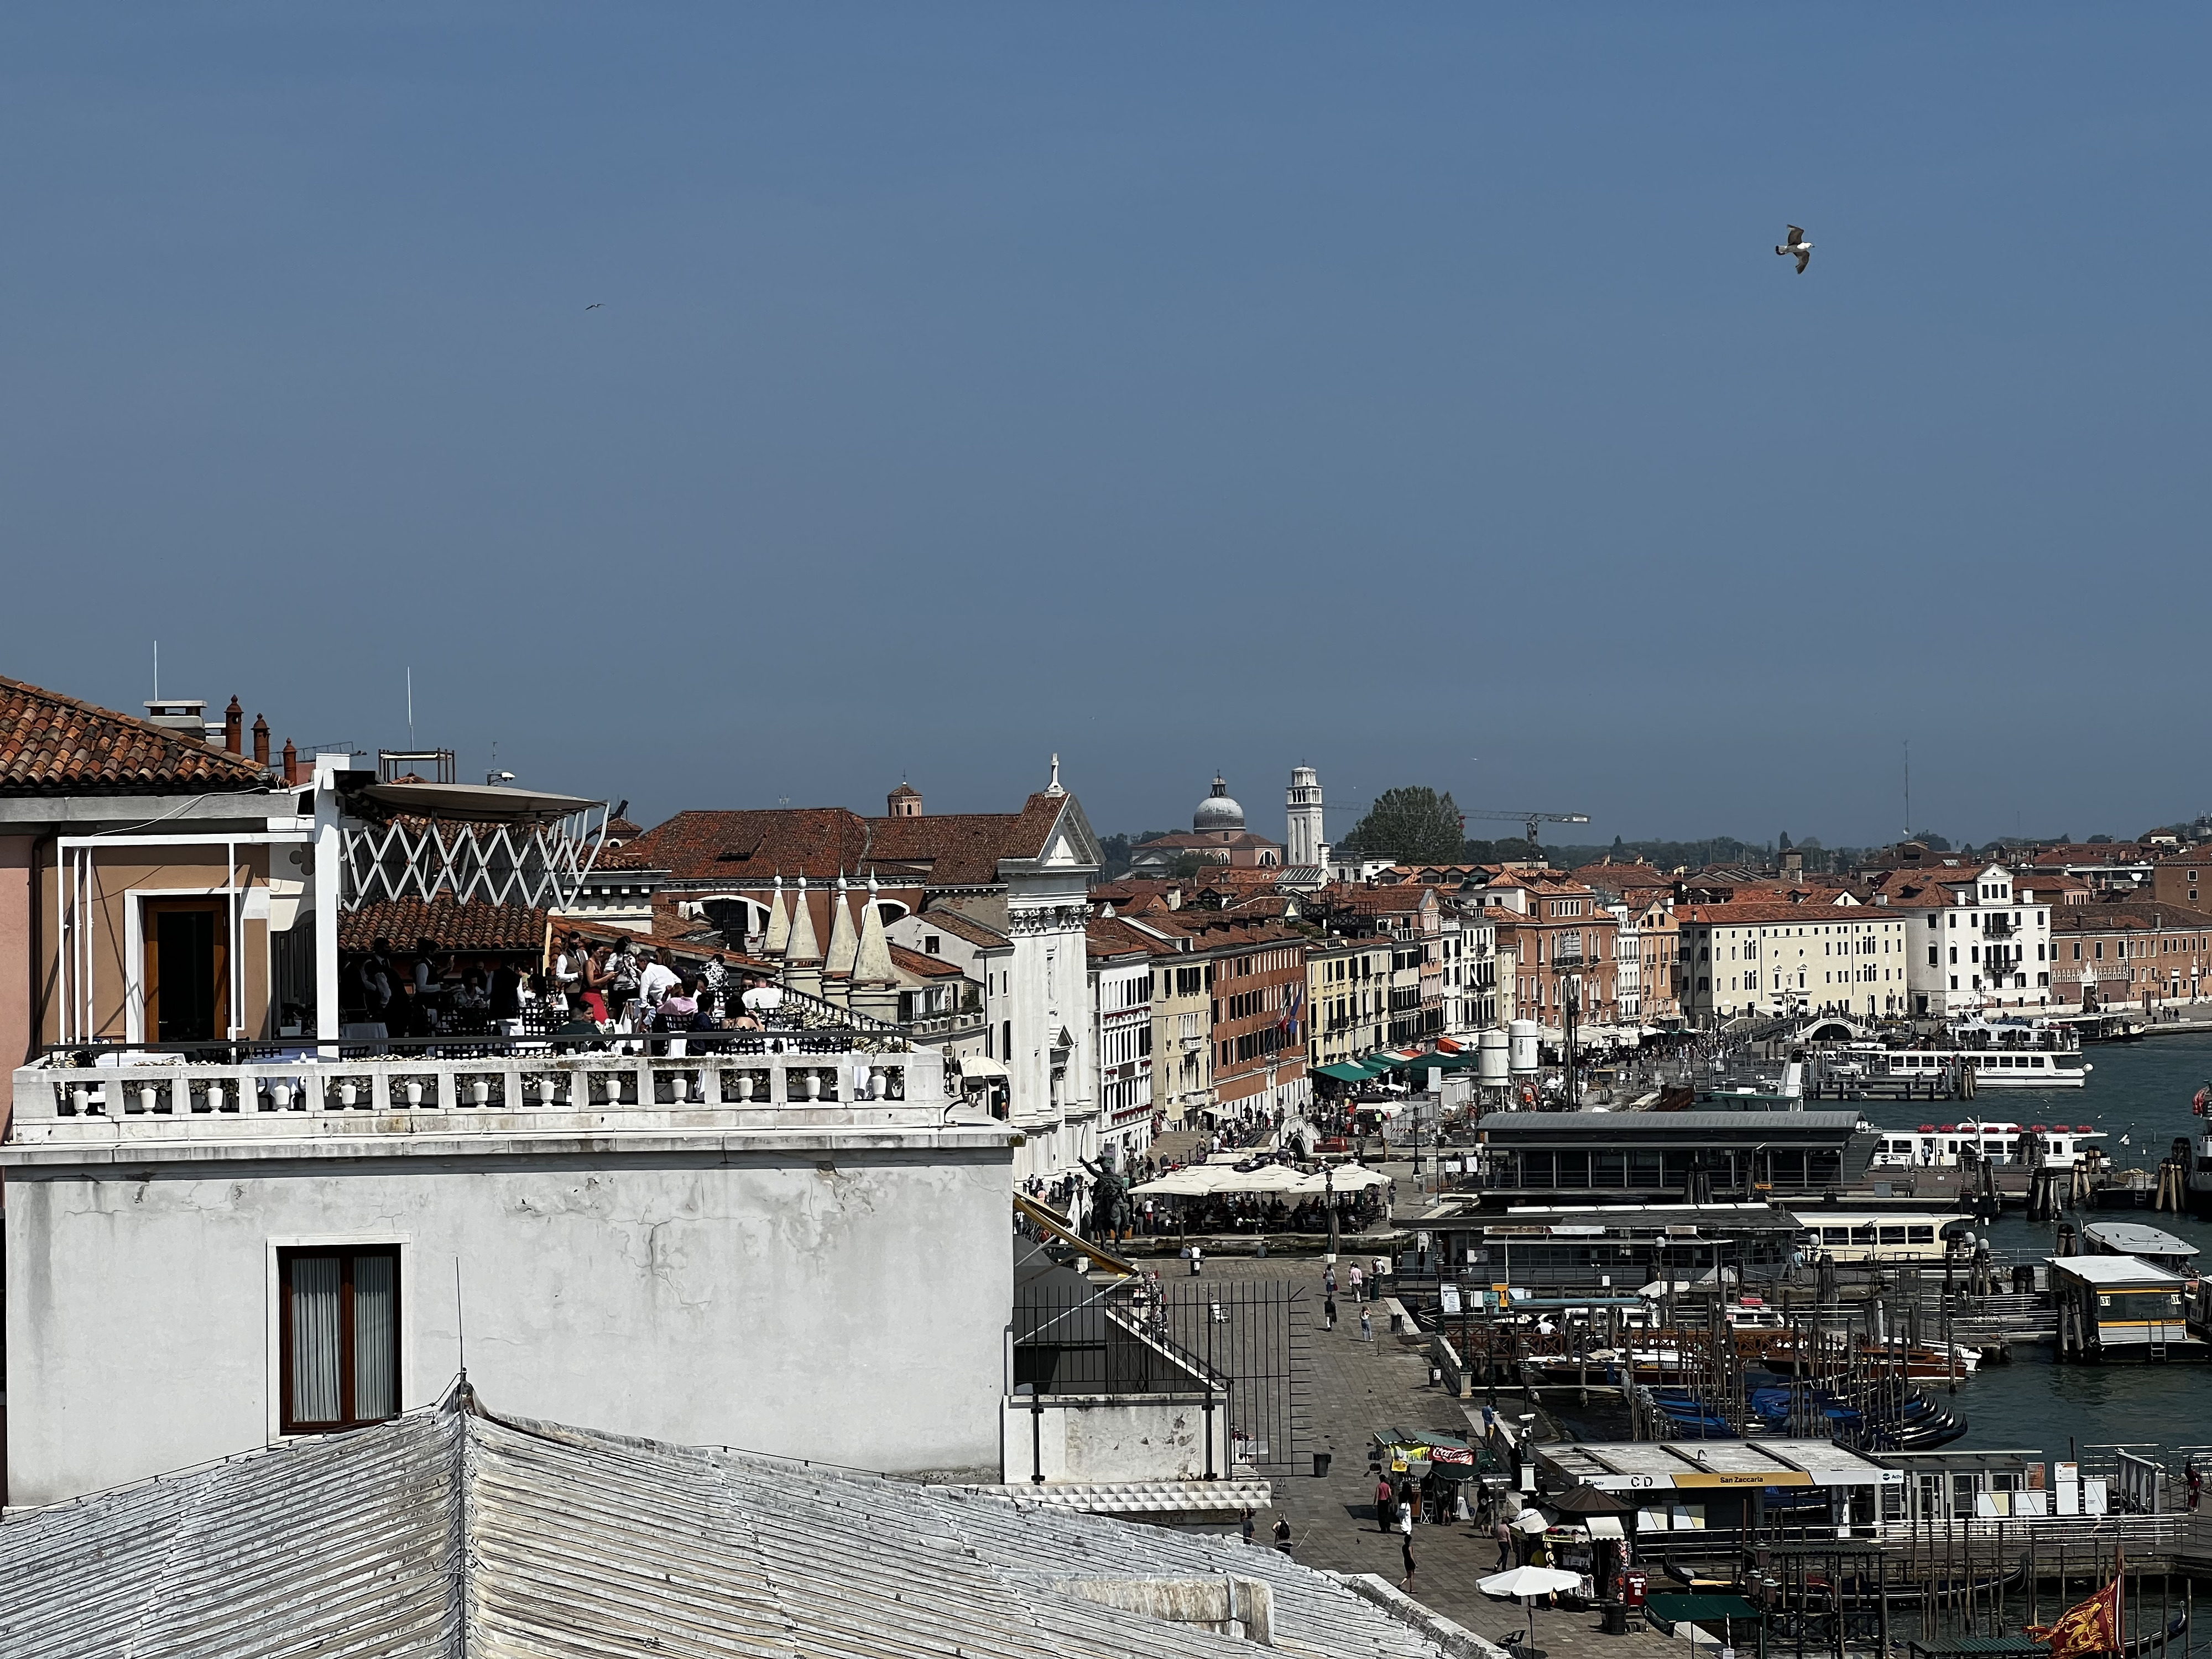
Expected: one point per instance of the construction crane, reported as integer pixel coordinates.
(1529, 819)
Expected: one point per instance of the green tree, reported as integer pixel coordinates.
(1414, 824)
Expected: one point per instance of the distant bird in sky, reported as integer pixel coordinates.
(596, 304)
(1799, 247)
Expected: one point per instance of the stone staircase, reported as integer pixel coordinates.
(1177, 1146)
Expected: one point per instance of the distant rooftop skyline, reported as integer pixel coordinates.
(1412, 394)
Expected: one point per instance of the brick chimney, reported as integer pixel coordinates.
(234, 728)
(291, 765)
(260, 740)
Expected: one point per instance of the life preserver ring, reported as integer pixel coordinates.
(1527, 1094)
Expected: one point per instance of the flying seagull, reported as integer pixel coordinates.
(596, 304)
(1798, 245)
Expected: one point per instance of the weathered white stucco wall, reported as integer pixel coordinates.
(1102, 1437)
(845, 1305)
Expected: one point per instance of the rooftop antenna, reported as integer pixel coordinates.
(410, 708)
(157, 671)
(1908, 789)
(460, 1328)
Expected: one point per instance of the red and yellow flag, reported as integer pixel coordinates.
(2093, 1627)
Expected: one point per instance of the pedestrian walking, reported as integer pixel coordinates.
(1358, 1286)
(1328, 1280)
(1383, 1497)
(1251, 1525)
(1366, 1326)
(1406, 1552)
(1282, 1535)
(1328, 1312)
(1502, 1533)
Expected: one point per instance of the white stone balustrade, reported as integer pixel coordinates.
(398, 1093)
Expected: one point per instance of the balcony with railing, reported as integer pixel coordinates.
(796, 1077)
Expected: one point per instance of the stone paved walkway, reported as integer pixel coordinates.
(1349, 1388)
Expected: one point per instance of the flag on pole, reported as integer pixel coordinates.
(2093, 1627)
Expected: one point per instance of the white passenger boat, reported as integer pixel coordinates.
(1933, 1145)
(1993, 1068)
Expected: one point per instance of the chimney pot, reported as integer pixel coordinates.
(234, 728)
(260, 740)
(291, 765)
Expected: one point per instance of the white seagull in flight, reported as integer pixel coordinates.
(1799, 247)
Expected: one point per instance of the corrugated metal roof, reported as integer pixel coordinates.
(447, 1531)
(1610, 1125)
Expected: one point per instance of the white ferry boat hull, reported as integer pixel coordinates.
(1940, 1146)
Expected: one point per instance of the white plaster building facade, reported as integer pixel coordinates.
(1750, 960)
(1121, 1010)
(188, 1280)
(1628, 975)
(1981, 939)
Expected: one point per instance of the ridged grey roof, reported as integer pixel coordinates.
(448, 1531)
(1614, 1125)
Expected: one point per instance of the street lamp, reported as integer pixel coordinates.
(1328, 1186)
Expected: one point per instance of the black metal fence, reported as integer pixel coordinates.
(1243, 1343)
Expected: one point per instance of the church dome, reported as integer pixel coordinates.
(1216, 810)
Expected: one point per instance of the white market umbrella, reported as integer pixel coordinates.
(1351, 1178)
(1268, 1178)
(1529, 1519)
(1176, 1183)
(1526, 1583)
(1529, 1581)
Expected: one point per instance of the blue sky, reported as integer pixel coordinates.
(1409, 391)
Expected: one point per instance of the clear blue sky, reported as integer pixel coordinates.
(1410, 390)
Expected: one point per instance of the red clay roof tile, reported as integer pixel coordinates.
(55, 744)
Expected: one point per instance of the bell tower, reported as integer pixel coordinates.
(1305, 843)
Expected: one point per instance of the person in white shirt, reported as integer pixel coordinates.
(568, 975)
(657, 981)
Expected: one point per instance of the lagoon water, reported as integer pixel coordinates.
(2141, 1090)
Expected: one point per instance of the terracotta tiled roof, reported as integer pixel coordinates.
(963, 926)
(53, 744)
(2116, 851)
(1109, 936)
(957, 849)
(1757, 911)
(2135, 915)
(1379, 901)
(455, 927)
(928, 967)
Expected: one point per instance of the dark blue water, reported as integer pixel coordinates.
(2141, 1090)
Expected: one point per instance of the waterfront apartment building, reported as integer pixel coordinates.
(1980, 939)
(1348, 992)
(2183, 878)
(1120, 963)
(1750, 959)
(1561, 933)
(2132, 954)
(1258, 1009)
